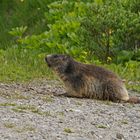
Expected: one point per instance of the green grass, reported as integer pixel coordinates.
(9, 125)
(124, 121)
(16, 66)
(47, 98)
(20, 65)
(7, 104)
(68, 130)
(101, 126)
(21, 129)
(30, 108)
(26, 128)
(25, 65)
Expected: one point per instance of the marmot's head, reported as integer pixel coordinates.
(59, 62)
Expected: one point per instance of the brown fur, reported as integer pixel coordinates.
(90, 81)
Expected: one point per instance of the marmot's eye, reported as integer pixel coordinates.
(55, 56)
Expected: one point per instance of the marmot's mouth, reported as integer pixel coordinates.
(49, 65)
(46, 59)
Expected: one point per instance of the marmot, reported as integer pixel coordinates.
(88, 81)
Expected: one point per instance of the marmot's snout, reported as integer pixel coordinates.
(47, 59)
(51, 59)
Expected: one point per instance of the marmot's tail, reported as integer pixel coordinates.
(134, 100)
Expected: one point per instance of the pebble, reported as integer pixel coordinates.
(62, 118)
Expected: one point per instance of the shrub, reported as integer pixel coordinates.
(99, 30)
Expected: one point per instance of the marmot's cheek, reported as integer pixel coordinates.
(49, 65)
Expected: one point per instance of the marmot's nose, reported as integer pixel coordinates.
(49, 55)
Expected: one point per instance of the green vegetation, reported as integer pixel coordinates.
(7, 104)
(26, 128)
(47, 98)
(18, 129)
(103, 32)
(30, 108)
(9, 125)
(124, 121)
(101, 126)
(68, 130)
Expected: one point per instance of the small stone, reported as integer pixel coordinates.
(120, 136)
(92, 133)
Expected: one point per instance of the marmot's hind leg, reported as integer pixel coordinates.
(115, 91)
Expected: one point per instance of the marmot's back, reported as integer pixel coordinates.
(96, 71)
(84, 80)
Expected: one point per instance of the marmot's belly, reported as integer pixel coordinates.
(93, 90)
(104, 91)
(89, 89)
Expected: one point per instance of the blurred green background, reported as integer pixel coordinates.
(102, 32)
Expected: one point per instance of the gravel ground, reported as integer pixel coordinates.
(32, 112)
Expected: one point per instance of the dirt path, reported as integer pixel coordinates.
(31, 112)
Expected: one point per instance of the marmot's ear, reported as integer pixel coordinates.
(67, 56)
(69, 68)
